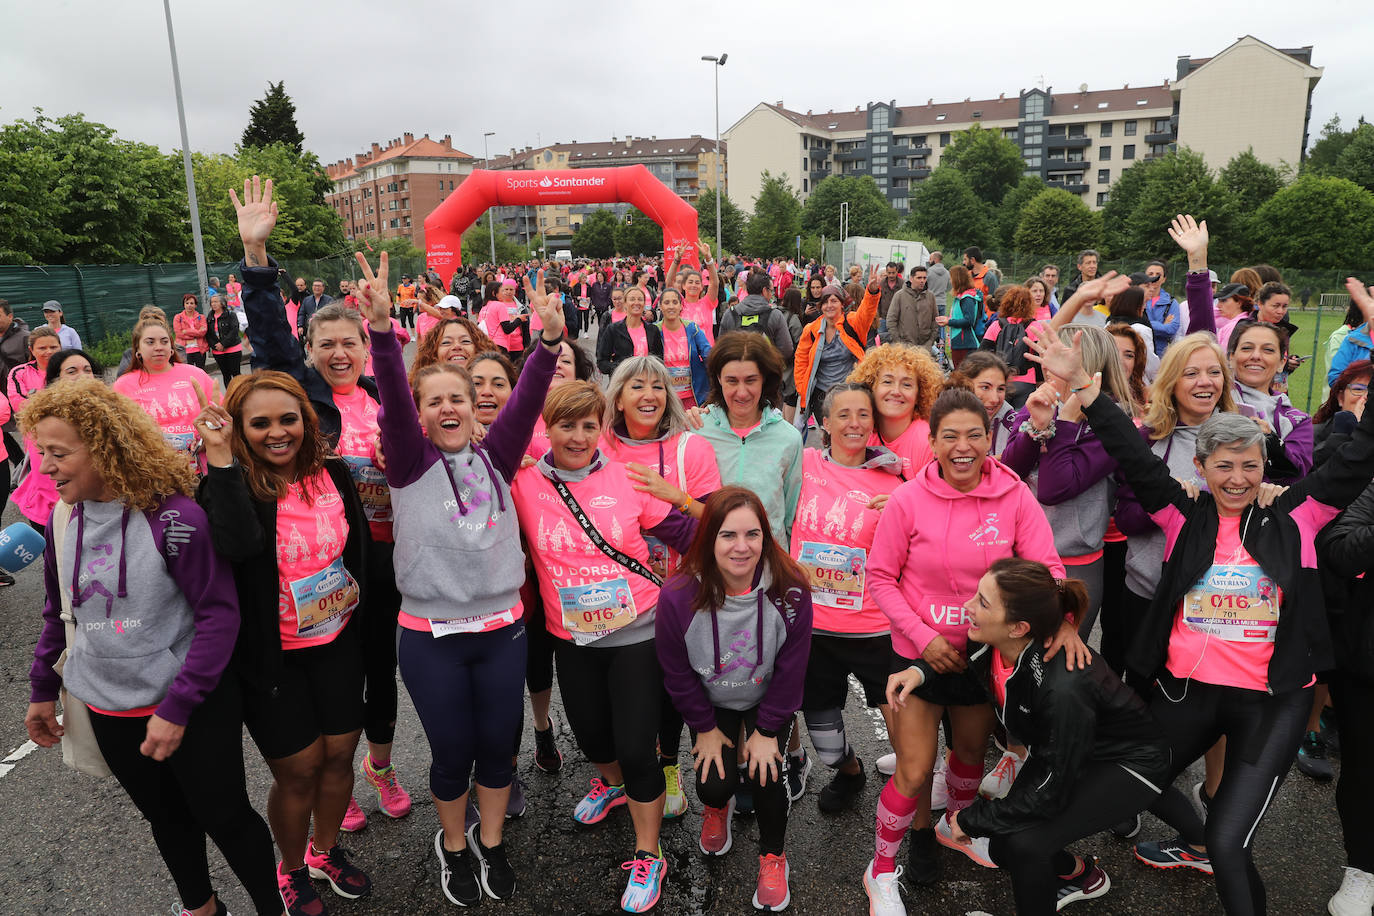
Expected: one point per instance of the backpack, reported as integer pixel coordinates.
(759, 323)
(1012, 345)
(980, 315)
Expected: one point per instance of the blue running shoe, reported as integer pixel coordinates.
(1172, 854)
(598, 802)
(646, 882)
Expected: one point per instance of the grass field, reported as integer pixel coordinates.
(1311, 341)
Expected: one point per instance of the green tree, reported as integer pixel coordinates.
(396, 247)
(477, 245)
(29, 231)
(1008, 213)
(1321, 158)
(1121, 202)
(272, 119)
(1316, 222)
(1249, 181)
(732, 219)
(215, 175)
(308, 227)
(595, 236)
(1181, 182)
(1055, 222)
(776, 222)
(637, 234)
(870, 213)
(945, 207)
(991, 163)
(1356, 161)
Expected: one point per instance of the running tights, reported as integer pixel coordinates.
(199, 790)
(1035, 859)
(469, 692)
(1262, 736)
(380, 695)
(771, 801)
(1354, 698)
(612, 700)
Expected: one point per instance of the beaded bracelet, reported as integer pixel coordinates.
(1038, 435)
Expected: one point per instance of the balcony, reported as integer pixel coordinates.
(1066, 165)
(683, 174)
(819, 153)
(1167, 136)
(853, 154)
(922, 150)
(1073, 187)
(1069, 142)
(919, 173)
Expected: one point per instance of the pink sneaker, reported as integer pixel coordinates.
(354, 818)
(391, 798)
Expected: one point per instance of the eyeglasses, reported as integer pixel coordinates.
(1357, 388)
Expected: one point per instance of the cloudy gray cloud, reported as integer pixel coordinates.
(556, 71)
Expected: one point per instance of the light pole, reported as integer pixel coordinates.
(719, 62)
(186, 158)
(491, 218)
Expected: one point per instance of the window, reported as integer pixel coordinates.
(441, 184)
(899, 203)
(882, 182)
(1104, 154)
(561, 221)
(1077, 131)
(804, 188)
(919, 141)
(1101, 105)
(1128, 151)
(1033, 160)
(392, 205)
(879, 160)
(944, 138)
(1161, 126)
(1101, 198)
(879, 170)
(450, 184)
(395, 224)
(1106, 130)
(1056, 130)
(1035, 107)
(1009, 133)
(880, 144)
(1104, 176)
(882, 118)
(405, 203)
(939, 117)
(1158, 149)
(1130, 128)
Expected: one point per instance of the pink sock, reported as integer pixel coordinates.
(895, 812)
(962, 781)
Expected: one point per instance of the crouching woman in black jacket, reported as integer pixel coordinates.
(1097, 757)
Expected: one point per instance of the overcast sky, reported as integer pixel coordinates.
(543, 71)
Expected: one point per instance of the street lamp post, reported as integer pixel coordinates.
(491, 218)
(719, 62)
(196, 239)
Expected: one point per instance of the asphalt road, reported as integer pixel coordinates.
(73, 844)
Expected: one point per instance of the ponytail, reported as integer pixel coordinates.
(1031, 594)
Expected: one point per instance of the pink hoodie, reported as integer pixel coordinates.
(934, 543)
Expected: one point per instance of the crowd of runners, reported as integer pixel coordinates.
(771, 478)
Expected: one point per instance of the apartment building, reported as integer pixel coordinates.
(1080, 140)
(388, 191)
(687, 165)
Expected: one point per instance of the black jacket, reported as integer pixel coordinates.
(322, 399)
(1345, 550)
(614, 345)
(244, 532)
(1068, 719)
(1281, 539)
(222, 331)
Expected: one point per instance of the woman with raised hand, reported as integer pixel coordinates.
(344, 399)
(1227, 642)
(585, 522)
(832, 345)
(844, 487)
(905, 383)
(966, 494)
(647, 431)
(738, 581)
(168, 389)
(461, 643)
(154, 628)
(1097, 756)
(699, 299)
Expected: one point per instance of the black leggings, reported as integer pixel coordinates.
(1354, 698)
(770, 801)
(1120, 618)
(1262, 735)
(196, 359)
(468, 692)
(199, 790)
(612, 698)
(229, 365)
(380, 695)
(407, 317)
(539, 671)
(1034, 858)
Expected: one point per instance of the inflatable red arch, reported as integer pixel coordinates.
(632, 184)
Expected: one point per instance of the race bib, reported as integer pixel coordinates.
(836, 574)
(596, 609)
(372, 488)
(681, 377)
(323, 602)
(479, 624)
(182, 442)
(1237, 603)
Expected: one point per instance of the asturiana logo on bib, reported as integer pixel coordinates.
(596, 597)
(832, 558)
(1229, 580)
(329, 583)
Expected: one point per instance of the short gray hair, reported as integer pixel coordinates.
(1231, 431)
(674, 419)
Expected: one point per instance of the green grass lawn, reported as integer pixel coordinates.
(1311, 341)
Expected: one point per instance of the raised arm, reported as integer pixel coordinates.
(1088, 293)
(708, 263)
(1192, 237)
(671, 273)
(274, 346)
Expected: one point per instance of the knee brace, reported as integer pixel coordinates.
(826, 727)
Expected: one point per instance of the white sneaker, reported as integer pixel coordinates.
(939, 791)
(977, 850)
(1356, 896)
(884, 892)
(887, 764)
(998, 783)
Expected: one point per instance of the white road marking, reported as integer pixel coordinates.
(18, 754)
(874, 714)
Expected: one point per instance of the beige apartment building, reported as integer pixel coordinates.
(1249, 95)
(687, 165)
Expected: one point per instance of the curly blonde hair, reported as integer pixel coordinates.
(126, 445)
(889, 357)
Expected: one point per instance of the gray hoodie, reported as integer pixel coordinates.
(1145, 552)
